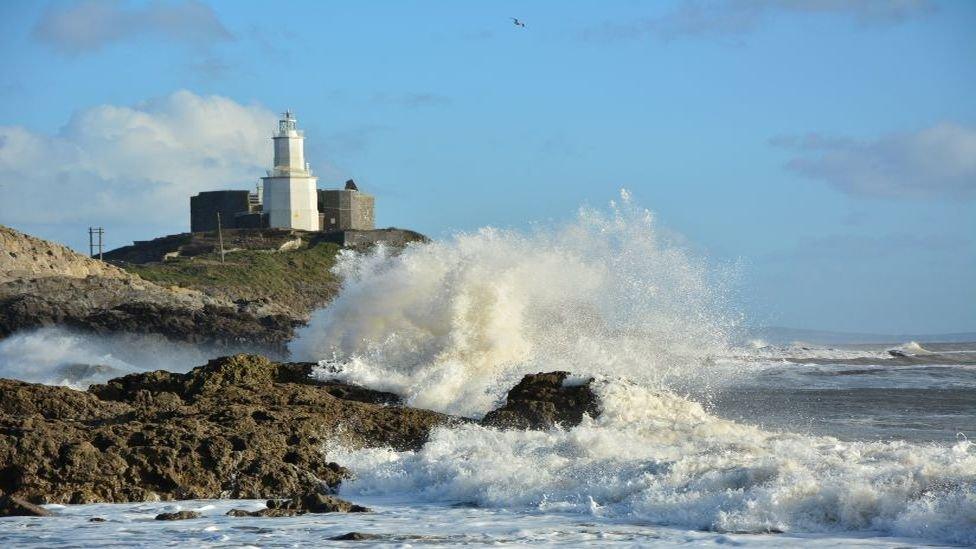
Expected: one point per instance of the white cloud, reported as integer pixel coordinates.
(91, 24)
(739, 17)
(939, 161)
(132, 165)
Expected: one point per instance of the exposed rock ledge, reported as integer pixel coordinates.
(238, 427)
(543, 401)
(47, 284)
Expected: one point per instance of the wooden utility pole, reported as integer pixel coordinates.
(220, 238)
(92, 231)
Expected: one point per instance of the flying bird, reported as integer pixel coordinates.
(517, 22)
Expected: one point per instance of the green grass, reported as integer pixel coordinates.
(300, 280)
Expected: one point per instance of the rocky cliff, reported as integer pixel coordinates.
(23, 256)
(44, 284)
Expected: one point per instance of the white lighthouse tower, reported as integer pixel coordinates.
(289, 195)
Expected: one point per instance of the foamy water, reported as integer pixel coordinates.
(672, 459)
(395, 522)
(60, 356)
(453, 325)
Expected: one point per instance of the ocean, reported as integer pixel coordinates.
(705, 437)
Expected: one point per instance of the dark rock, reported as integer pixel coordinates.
(96, 519)
(356, 536)
(266, 513)
(311, 503)
(238, 427)
(13, 506)
(321, 503)
(179, 515)
(113, 305)
(542, 401)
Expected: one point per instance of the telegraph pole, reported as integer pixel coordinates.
(92, 232)
(220, 238)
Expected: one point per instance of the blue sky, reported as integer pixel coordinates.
(827, 145)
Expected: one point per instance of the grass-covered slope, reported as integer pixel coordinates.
(297, 280)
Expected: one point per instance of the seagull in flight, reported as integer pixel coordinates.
(517, 22)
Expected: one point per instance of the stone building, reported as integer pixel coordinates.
(205, 207)
(288, 197)
(346, 209)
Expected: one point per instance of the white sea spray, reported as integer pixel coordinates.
(452, 325)
(60, 356)
(656, 457)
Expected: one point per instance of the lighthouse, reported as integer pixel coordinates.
(289, 197)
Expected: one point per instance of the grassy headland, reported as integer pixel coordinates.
(299, 280)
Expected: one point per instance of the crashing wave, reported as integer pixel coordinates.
(909, 349)
(451, 325)
(656, 457)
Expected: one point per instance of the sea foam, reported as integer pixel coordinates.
(452, 325)
(59, 356)
(655, 457)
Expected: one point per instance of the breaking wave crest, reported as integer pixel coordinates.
(655, 457)
(450, 325)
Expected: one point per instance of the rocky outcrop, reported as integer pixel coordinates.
(109, 305)
(179, 515)
(309, 503)
(543, 401)
(356, 536)
(46, 284)
(238, 427)
(12, 506)
(105, 306)
(23, 256)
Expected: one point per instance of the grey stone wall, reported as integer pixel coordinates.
(204, 208)
(346, 210)
(249, 220)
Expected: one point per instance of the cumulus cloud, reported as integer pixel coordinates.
(739, 17)
(132, 165)
(88, 25)
(939, 161)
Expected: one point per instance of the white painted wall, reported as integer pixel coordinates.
(291, 202)
(289, 153)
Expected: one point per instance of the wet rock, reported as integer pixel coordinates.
(312, 503)
(543, 401)
(179, 515)
(13, 506)
(321, 503)
(356, 536)
(266, 513)
(238, 427)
